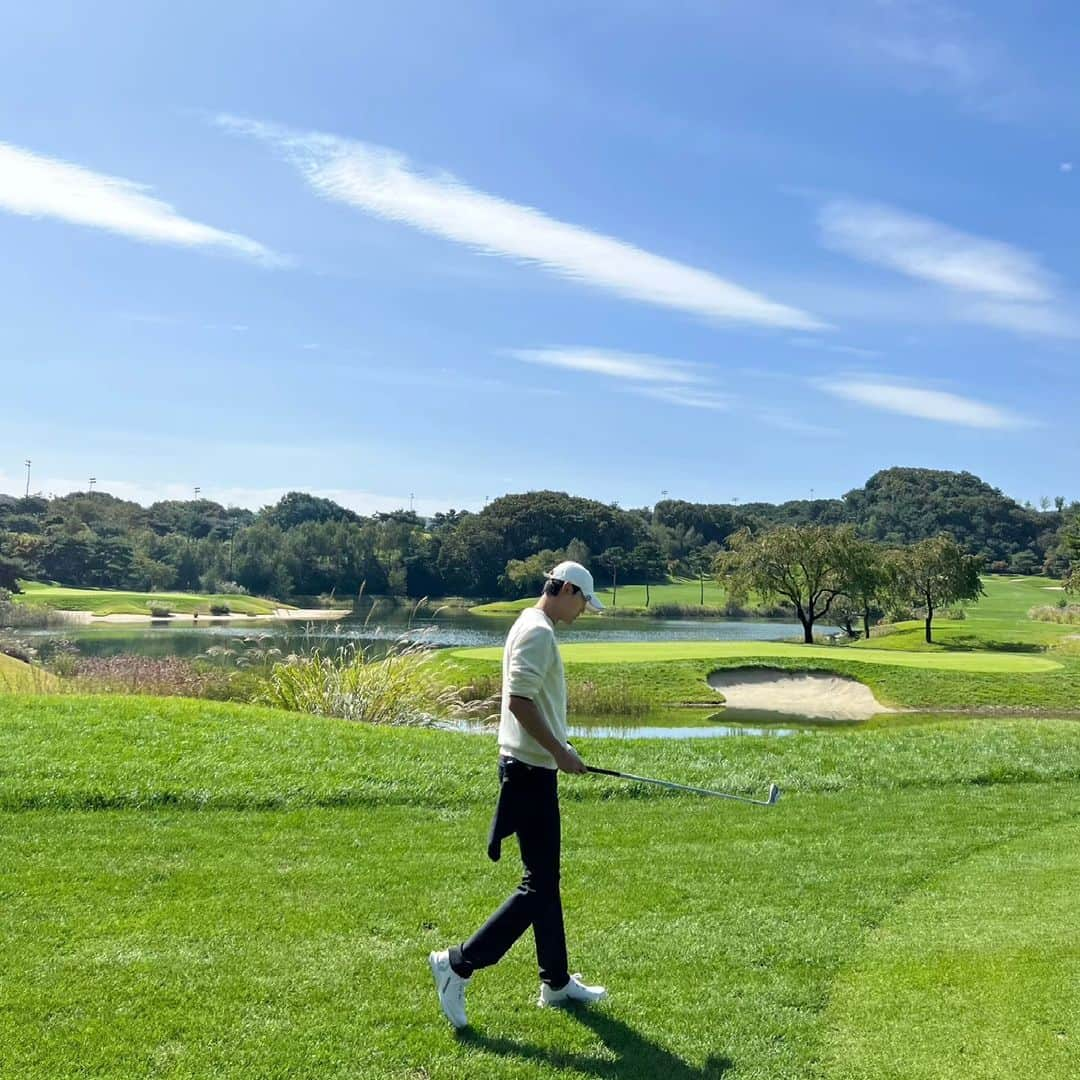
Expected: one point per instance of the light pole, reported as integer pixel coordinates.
(93, 481)
(27, 463)
(411, 497)
(197, 490)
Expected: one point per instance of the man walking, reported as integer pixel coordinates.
(532, 750)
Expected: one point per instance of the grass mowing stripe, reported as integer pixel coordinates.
(977, 975)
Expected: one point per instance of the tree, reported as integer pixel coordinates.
(648, 564)
(701, 562)
(803, 564)
(866, 580)
(613, 559)
(525, 577)
(937, 572)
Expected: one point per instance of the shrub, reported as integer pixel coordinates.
(1061, 613)
(160, 611)
(26, 615)
(399, 687)
(606, 699)
(220, 609)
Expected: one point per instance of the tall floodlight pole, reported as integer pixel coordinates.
(27, 463)
(197, 490)
(93, 481)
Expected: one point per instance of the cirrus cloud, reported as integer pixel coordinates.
(383, 182)
(36, 186)
(907, 400)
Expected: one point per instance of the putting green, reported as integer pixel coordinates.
(661, 651)
(975, 976)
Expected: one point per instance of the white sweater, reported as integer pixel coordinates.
(533, 669)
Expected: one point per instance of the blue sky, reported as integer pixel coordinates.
(441, 252)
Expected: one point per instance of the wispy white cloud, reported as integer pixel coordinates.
(36, 186)
(985, 281)
(675, 382)
(828, 346)
(616, 365)
(1037, 319)
(688, 397)
(786, 422)
(383, 182)
(931, 251)
(908, 400)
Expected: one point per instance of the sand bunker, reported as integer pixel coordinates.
(280, 614)
(814, 694)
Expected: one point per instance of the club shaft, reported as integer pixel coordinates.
(678, 787)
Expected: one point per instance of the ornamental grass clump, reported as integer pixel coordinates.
(396, 686)
(1065, 613)
(160, 676)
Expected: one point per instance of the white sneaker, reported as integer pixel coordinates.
(450, 987)
(574, 990)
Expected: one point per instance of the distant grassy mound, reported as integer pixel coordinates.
(113, 602)
(17, 677)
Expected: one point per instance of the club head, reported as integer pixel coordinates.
(774, 794)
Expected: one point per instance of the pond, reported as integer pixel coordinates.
(455, 629)
(448, 630)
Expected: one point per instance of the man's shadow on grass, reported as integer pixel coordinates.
(636, 1056)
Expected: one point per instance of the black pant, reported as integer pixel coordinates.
(528, 806)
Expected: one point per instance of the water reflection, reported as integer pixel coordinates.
(457, 630)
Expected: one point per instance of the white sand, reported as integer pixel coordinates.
(301, 614)
(814, 694)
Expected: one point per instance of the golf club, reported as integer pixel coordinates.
(774, 791)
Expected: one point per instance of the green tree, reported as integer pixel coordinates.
(937, 572)
(802, 564)
(866, 580)
(525, 577)
(613, 559)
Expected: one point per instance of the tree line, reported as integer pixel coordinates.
(304, 546)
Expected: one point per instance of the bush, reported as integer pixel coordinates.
(220, 609)
(398, 688)
(26, 615)
(160, 611)
(1061, 613)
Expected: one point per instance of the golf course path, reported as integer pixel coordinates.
(814, 694)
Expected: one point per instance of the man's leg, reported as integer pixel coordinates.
(536, 901)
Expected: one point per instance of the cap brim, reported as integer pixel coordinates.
(593, 604)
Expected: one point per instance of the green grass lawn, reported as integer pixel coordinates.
(196, 890)
(114, 602)
(999, 620)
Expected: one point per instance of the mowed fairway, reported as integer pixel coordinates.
(195, 889)
(116, 602)
(666, 651)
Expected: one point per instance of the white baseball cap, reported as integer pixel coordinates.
(577, 575)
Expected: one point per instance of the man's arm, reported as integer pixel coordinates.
(530, 718)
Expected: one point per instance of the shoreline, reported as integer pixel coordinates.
(88, 618)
